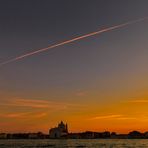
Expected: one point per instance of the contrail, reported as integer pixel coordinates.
(72, 40)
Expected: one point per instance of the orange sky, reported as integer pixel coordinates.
(33, 115)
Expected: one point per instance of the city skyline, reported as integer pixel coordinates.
(99, 83)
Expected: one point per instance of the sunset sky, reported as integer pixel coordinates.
(99, 83)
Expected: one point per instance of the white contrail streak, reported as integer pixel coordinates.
(72, 40)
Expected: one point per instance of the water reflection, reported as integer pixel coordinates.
(75, 143)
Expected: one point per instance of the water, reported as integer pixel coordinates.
(75, 143)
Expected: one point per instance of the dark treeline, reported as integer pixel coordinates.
(108, 135)
(83, 135)
(38, 135)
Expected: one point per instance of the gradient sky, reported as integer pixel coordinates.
(98, 83)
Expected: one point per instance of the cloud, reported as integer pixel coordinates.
(81, 93)
(105, 117)
(140, 118)
(29, 109)
(36, 103)
(40, 115)
(115, 117)
(30, 103)
(138, 101)
(126, 118)
(13, 115)
(24, 115)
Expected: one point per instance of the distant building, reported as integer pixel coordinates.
(74, 136)
(3, 136)
(146, 134)
(59, 132)
(33, 136)
(87, 135)
(135, 135)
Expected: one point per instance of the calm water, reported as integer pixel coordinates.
(95, 143)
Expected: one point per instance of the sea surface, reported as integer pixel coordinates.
(75, 143)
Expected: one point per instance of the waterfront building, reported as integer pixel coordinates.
(60, 131)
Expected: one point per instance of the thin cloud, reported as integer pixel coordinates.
(126, 118)
(105, 117)
(13, 115)
(40, 115)
(24, 115)
(30, 103)
(138, 101)
(36, 103)
(120, 117)
(81, 93)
